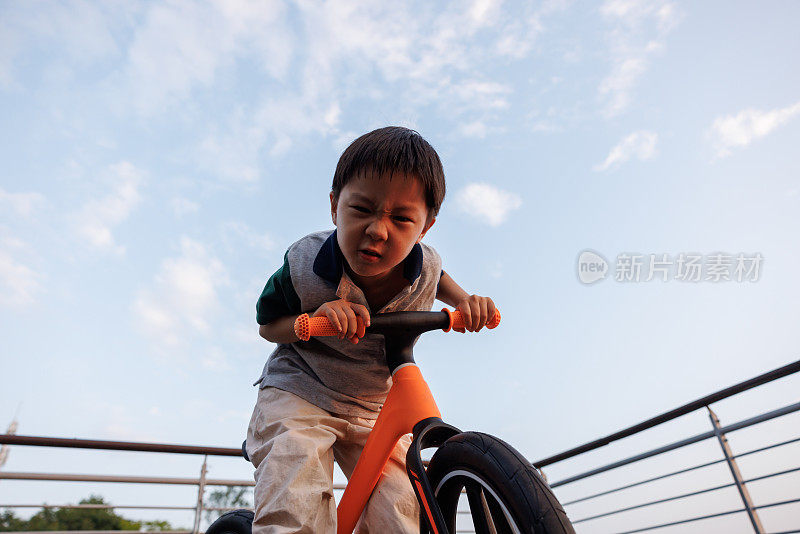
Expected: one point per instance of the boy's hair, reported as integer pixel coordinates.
(387, 151)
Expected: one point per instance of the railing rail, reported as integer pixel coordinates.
(44, 441)
(775, 374)
(679, 472)
(682, 443)
(718, 431)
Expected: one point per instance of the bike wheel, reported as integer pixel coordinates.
(234, 522)
(505, 492)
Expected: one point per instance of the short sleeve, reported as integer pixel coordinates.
(279, 297)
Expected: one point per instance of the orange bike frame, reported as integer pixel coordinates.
(409, 402)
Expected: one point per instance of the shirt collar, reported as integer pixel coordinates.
(329, 261)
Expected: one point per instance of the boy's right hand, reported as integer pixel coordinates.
(348, 318)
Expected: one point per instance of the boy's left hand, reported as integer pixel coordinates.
(476, 311)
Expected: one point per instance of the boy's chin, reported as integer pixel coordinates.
(371, 271)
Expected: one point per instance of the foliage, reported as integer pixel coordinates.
(77, 519)
(10, 522)
(230, 497)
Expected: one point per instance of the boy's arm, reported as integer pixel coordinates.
(349, 318)
(279, 306)
(475, 309)
(280, 330)
(449, 292)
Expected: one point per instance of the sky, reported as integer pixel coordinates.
(159, 158)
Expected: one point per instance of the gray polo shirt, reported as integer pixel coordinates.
(336, 375)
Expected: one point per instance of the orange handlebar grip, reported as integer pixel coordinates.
(457, 321)
(305, 327)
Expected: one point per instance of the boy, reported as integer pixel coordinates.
(319, 399)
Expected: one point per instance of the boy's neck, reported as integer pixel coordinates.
(379, 289)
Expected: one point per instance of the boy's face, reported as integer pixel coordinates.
(378, 222)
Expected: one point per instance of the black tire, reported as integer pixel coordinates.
(235, 522)
(498, 479)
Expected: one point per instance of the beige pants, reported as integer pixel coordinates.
(293, 444)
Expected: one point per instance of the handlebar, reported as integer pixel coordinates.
(385, 323)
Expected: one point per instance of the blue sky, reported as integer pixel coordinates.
(158, 158)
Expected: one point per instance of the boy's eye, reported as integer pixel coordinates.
(400, 218)
(362, 209)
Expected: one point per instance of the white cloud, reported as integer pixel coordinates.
(639, 30)
(8, 50)
(182, 302)
(183, 206)
(734, 131)
(80, 33)
(484, 10)
(97, 219)
(24, 204)
(215, 359)
(474, 129)
(640, 145)
(616, 87)
(186, 307)
(19, 283)
(236, 233)
(181, 46)
(497, 269)
(309, 66)
(236, 416)
(487, 202)
(340, 53)
(118, 423)
(233, 155)
(486, 95)
(428, 56)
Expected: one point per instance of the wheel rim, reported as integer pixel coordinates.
(489, 513)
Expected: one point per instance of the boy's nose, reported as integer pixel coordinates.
(377, 230)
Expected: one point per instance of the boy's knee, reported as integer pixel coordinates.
(393, 507)
(294, 482)
(396, 489)
(287, 444)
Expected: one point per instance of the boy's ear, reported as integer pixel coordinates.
(427, 227)
(333, 208)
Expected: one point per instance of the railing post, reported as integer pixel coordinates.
(737, 475)
(201, 490)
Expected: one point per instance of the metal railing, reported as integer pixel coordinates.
(718, 432)
(201, 482)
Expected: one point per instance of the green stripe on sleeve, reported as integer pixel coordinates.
(279, 298)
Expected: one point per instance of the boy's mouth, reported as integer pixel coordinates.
(369, 252)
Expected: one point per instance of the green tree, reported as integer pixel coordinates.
(157, 526)
(10, 522)
(230, 497)
(77, 519)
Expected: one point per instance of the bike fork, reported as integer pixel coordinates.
(430, 432)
